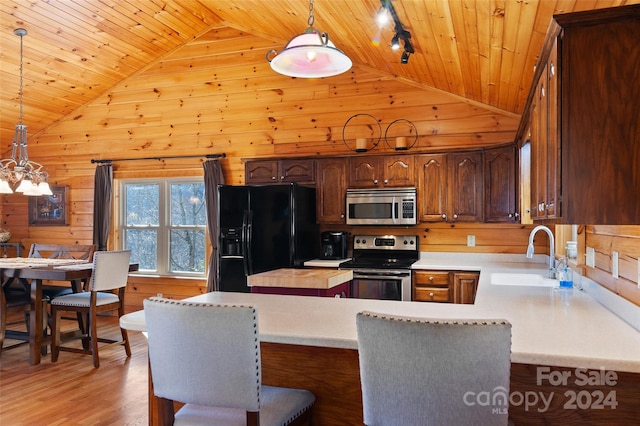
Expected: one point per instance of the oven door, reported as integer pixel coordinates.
(381, 284)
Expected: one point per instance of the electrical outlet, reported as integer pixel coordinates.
(159, 295)
(591, 257)
(471, 240)
(614, 264)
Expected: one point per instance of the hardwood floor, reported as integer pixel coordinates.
(71, 391)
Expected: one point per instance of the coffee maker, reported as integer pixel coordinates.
(334, 244)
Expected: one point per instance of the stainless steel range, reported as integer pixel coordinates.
(381, 266)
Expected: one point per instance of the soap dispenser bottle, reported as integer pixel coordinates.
(564, 274)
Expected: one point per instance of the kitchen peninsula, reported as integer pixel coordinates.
(310, 342)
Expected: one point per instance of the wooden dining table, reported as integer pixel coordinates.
(35, 271)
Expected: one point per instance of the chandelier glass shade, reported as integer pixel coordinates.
(27, 177)
(309, 55)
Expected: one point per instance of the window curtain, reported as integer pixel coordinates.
(102, 194)
(212, 178)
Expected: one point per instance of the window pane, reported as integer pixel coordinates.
(143, 246)
(142, 204)
(187, 250)
(187, 204)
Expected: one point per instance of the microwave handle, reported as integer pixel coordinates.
(394, 210)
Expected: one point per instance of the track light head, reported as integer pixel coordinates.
(395, 43)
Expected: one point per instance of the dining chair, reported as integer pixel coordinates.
(60, 251)
(110, 273)
(422, 372)
(207, 356)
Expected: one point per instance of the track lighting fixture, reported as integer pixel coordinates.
(400, 32)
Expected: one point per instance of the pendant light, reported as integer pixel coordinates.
(18, 170)
(309, 55)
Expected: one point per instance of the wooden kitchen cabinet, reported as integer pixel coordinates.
(545, 143)
(331, 189)
(587, 80)
(381, 171)
(445, 286)
(451, 187)
(280, 171)
(501, 183)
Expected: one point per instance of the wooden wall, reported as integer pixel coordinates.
(626, 241)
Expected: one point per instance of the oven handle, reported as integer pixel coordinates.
(375, 275)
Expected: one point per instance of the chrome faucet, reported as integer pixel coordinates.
(552, 259)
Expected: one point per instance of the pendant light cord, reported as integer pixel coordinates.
(21, 78)
(311, 17)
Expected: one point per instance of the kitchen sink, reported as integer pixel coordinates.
(531, 280)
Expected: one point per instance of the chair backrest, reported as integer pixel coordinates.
(433, 372)
(204, 354)
(110, 270)
(62, 251)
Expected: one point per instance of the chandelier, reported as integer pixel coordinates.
(309, 55)
(28, 176)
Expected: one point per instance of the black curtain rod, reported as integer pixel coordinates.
(223, 155)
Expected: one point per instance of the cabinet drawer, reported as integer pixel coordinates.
(431, 277)
(432, 294)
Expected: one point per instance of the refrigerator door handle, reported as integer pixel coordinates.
(247, 227)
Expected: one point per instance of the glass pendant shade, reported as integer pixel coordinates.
(5, 188)
(310, 55)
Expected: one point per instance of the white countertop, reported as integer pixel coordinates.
(549, 327)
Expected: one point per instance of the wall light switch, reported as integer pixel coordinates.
(471, 240)
(591, 257)
(614, 264)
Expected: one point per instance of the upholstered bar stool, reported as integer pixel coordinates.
(208, 357)
(419, 372)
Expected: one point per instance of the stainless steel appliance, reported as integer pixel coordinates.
(381, 206)
(334, 244)
(262, 228)
(381, 266)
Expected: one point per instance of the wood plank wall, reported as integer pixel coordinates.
(625, 240)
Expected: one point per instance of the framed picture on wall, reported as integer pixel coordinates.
(50, 210)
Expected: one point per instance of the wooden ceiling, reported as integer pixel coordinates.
(76, 50)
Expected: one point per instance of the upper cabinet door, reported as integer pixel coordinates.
(432, 187)
(261, 171)
(364, 172)
(398, 171)
(466, 187)
(300, 171)
(500, 171)
(331, 188)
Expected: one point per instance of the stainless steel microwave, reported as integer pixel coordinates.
(381, 206)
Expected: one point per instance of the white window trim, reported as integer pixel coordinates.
(164, 226)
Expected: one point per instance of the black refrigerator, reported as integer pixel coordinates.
(262, 228)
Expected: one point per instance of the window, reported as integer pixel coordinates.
(163, 223)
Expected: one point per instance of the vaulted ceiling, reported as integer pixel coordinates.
(76, 50)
